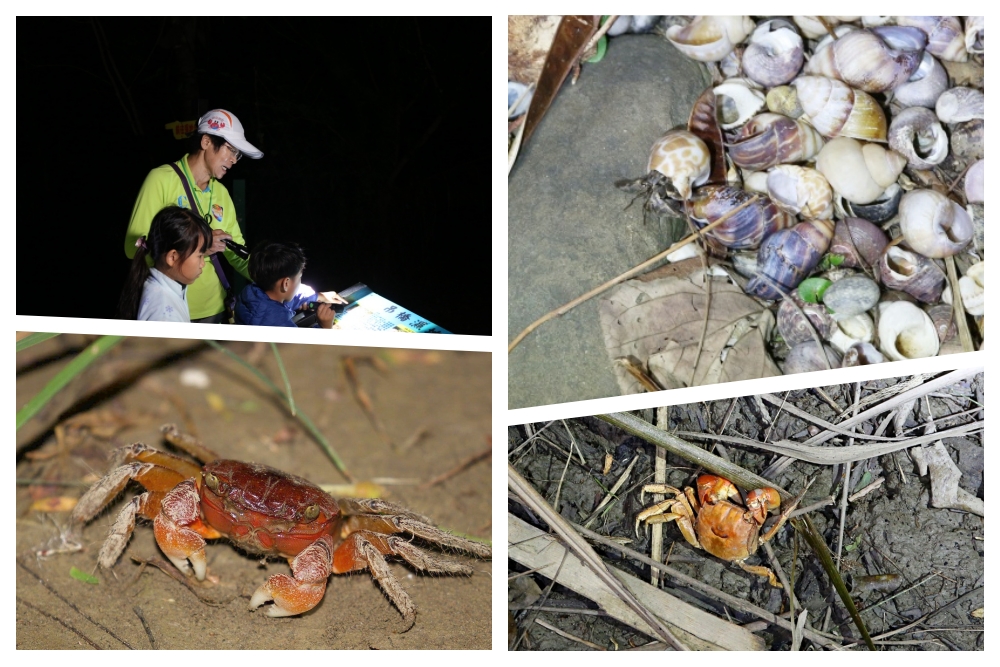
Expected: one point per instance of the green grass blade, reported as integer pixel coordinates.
(284, 376)
(302, 417)
(72, 369)
(34, 339)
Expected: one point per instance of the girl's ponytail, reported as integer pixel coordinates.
(128, 304)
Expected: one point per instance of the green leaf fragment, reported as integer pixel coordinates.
(811, 289)
(80, 575)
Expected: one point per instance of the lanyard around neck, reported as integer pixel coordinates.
(194, 188)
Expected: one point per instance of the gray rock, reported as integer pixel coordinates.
(568, 230)
(851, 296)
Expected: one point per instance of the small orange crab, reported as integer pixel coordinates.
(263, 511)
(710, 522)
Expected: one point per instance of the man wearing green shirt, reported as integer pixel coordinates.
(220, 145)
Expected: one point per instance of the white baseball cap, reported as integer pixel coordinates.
(224, 124)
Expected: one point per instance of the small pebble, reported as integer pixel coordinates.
(851, 296)
(195, 377)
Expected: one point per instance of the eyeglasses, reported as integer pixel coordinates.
(236, 153)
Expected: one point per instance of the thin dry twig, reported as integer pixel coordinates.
(59, 621)
(137, 610)
(562, 310)
(475, 458)
(563, 633)
(349, 365)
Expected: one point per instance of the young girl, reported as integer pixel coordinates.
(177, 242)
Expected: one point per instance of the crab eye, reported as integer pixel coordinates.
(311, 512)
(211, 481)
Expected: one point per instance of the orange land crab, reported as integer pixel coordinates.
(264, 511)
(713, 523)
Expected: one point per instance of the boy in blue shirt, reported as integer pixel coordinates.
(272, 299)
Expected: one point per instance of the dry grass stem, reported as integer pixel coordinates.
(567, 635)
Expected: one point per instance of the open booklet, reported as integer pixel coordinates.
(366, 310)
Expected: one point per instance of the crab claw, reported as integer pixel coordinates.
(290, 597)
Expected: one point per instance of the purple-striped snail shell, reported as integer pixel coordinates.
(916, 134)
(945, 36)
(858, 241)
(710, 38)
(872, 60)
(925, 86)
(859, 172)
(912, 273)
(745, 229)
(800, 191)
(770, 139)
(787, 256)
(883, 209)
(775, 53)
(959, 104)
(906, 332)
(837, 110)
(934, 225)
(794, 328)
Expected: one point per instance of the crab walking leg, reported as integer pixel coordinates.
(180, 532)
(406, 523)
(762, 571)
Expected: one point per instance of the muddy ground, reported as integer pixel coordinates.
(892, 530)
(446, 392)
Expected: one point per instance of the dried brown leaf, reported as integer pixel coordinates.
(659, 323)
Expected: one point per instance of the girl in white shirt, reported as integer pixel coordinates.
(177, 242)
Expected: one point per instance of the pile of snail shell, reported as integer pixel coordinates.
(857, 145)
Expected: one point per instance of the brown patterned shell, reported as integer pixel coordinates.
(770, 139)
(683, 158)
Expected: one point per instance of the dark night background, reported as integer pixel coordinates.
(363, 124)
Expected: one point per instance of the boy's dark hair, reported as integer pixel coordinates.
(194, 140)
(271, 261)
(173, 228)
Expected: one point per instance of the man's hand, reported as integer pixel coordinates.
(325, 315)
(218, 245)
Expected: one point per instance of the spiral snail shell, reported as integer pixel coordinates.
(746, 228)
(710, 38)
(800, 191)
(925, 86)
(837, 110)
(859, 172)
(934, 225)
(872, 60)
(974, 41)
(945, 36)
(770, 139)
(959, 104)
(906, 332)
(787, 256)
(775, 53)
(917, 135)
(683, 158)
(912, 273)
(858, 241)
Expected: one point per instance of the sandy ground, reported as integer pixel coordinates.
(447, 392)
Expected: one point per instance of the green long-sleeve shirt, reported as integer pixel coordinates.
(162, 188)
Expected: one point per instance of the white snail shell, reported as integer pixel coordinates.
(917, 135)
(925, 86)
(851, 330)
(800, 191)
(710, 38)
(906, 332)
(683, 158)
(971, 287)
(959, 104)
(740, 102)
(974, 34)
(837, 110)
(974, 185)
(814, 28)
(873, 60)
(775, 53)
(934, 225)
(945, 36)
(859, 172)
(862, 354)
